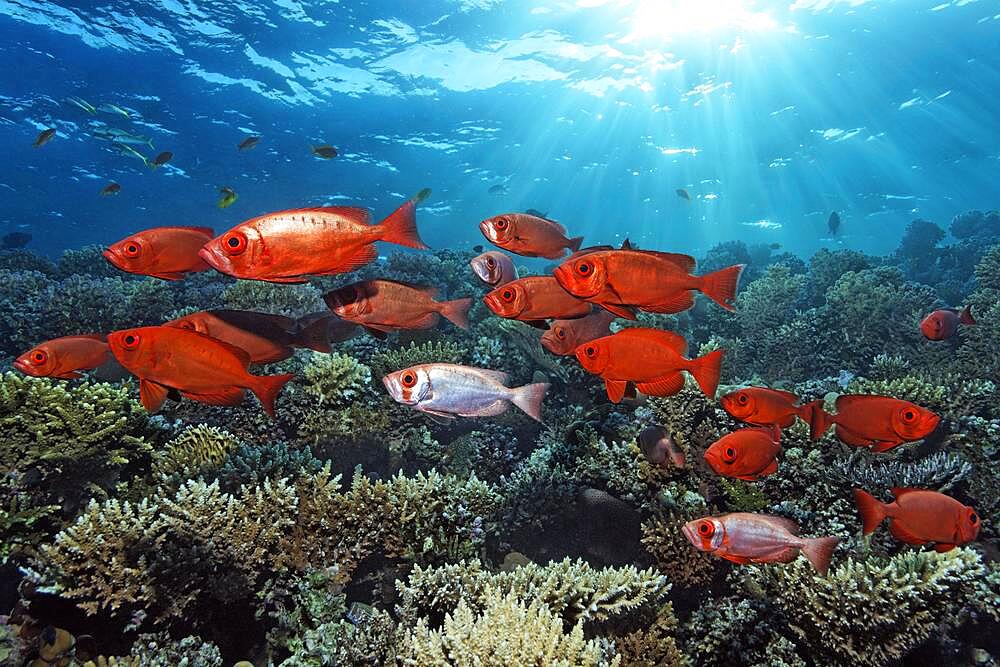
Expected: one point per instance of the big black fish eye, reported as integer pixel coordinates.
(742, 399)
(584, 268)
(490, 262)
(590, 351)
(973, 518)
(409, 379)
(507, 295)
(39, 357)
(705, 528)
(501, 223)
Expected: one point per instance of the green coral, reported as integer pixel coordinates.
(337, 400)
(289, 300)
(197, 448)
(430, 352)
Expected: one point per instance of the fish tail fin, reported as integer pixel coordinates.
(574, 243)
(706, 371)
(529, 399)
(457, 311)
(267, 389)
(401, 227)
(314, 336)
(819, 551)
(871, 509)
(819, 419)
(966, 315)
(720, 286)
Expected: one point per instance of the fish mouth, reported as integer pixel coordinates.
(109, 255)
(691, 535)
(562, 276)
(213, 259)
(487, 231)
(23, 367)
(493, 303)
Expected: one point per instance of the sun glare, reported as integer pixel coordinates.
(669, 19)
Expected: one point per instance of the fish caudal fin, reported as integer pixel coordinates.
(314, 336)
(574, 243)
(705, 371)
(819, 551)
(819, 419)
(871, 509)
(401, 227)
(529, 399)
(457, 311)
(267, 389)
(965, 317)
(720, 286)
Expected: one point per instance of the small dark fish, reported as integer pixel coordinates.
(111, 188)
(499, 189)
(683, 194)
(227, 198)
(477, 248)
(538, 214)
(44, 137)
(833, 223)
(160, 159)
(774, 246)
(325, 151)
(248, 143)
(657, 446)
(15, 240)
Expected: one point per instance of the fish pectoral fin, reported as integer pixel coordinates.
(941, 547)
(675, 304)
(227, 396)
(848, 437)
(365, 255)
(425, 321)
(615, 389)
(904, 535)
(884, 446)
(742, 560)
(665, 386)
(619, 310)
(492, 410)
(771, 468)
(438, 416)
(152, 395)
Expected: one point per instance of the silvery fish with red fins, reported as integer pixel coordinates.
(450, 390)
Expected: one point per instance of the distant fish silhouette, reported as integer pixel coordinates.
(248, 143)
(683, 194)
(538, 214)
(15, 240)
(160, 159)
(833, 223)
(111, 188)
(325, 151)
(477, 248)
(44, 137)
(498, 189)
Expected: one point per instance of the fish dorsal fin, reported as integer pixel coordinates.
(900, 491)
(238, 352)
(673, 340)
(847, 401)
(208, 231)
(586, 251)
(354, 213)
(429, 290)
(499, 376)
(780, 521)
(98, 337)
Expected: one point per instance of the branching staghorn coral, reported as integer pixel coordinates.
(735, 631)
(288, 300)
(197, 448)
(432, 352)
(252, 464)
(336, 400)
(940, 471)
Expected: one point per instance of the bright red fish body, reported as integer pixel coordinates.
(169, 253)
(650, 358)
(878, 422)
(943, 323)
(199, 367)
(747, 454)
(64, 357)
(529, 235)
(382, 306)
(657, 282)
(535, 298)
(918, 516)
(266, 338)
(758, 538)
(762, 406)
(564, 336)
(289, 246)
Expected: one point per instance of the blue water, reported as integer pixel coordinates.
(770, 114)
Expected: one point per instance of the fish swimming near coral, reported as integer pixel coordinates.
(248, 143)
(289, 246)
(744, 538)
(657, 282)
(877, 422)
(564, 336)
(528, 235)
(498, 189)
(266, 338)
(833, 223)
(658, 446)
(388, 305)
(228, 197)
(494, 268)
(14, 240)
(317, 331)
(450, 390)
(747, 454)
(943, 323)
(44, 137)
(652, 359)
(169, 253)
(918, 517)
(534, 299)
(111, 188)
(762, 406)
(199, 367)
(65, 357)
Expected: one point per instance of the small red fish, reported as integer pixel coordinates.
(918, 517)
(494, 268)
(529, 235)
(657, 282)
(199, 367)
(169, 253)
(758, 538)
(878, 422)
(657, 446)
(564, 336)
(65, 357)
(289, 246)
(382, 306)
(650, 358)
(534, 299)
(747, 454)
(762, 406)
(943, 323)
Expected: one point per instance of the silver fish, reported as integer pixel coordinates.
(494, 268)
(450, 390)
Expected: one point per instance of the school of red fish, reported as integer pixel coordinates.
(206, 356)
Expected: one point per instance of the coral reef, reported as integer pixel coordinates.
(394, 359)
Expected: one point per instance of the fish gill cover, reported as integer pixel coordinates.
(727, 396)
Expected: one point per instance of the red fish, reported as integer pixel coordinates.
(758, 538)
(388, 305)
(266, 338)
(748, 454)
(169, 253)
(657, 282)
(943, 323)
(529, 235)
(766, 407)
(534, 299)
(564, 336)
(878, 422)
(65, 357)
(650, 358)
(289, 246)
(657, 446)
(199, 367)
(918, 517)
(494, 268)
